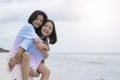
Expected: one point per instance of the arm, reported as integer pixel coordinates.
(32, 35)
(46, 42)
(41, 47)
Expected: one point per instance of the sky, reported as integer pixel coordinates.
(82, 26)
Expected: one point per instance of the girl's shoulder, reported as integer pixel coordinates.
(28, 25)
(27, 28)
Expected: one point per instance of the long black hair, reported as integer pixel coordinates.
(53, 37)
(35, 14)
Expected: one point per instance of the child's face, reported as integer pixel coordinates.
(38, 21)
(47, 29)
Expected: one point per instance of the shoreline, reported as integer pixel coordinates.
(4, 50)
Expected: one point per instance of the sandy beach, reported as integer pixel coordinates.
(75, 67)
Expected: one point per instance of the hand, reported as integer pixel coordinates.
(46, 56)
(44, 47)
(45, 53)
(33, 73)
(48, 48)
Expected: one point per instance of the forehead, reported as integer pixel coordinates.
(49, 24)
(40, 16)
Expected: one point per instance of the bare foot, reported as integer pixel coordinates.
(12, 63)
(33, 73)
(10, 67)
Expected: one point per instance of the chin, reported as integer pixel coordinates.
(36, 26)
(45, 35)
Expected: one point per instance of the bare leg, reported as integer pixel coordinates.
(15, 59)
(35, 73)
(44, 71)
(25, 65)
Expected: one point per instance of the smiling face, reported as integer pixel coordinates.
(47, 29)
(38, 21)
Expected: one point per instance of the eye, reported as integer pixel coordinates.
(38, 19)
(46, 25)
(50, 28)
(41, 20)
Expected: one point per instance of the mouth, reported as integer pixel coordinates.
(46, 32)
(36, 25)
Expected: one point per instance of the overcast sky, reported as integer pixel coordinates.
(83, 26)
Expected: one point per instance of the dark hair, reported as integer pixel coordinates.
(53, 37)
(35, 14)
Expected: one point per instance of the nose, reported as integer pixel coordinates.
(47, 30)
(39, 22)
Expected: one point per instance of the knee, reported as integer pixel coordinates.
(25, 56)
(46, 72)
